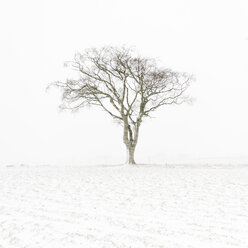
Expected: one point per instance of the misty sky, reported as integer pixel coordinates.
(206, 38)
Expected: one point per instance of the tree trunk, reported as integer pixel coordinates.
(130, 155)
(130, 138)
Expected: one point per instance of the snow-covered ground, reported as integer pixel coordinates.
(124, 206)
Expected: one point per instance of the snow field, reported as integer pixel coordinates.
(124, 207)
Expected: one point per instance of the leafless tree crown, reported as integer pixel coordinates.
(124, 85)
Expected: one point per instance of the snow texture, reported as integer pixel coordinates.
(123, 206)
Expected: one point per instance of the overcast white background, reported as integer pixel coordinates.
(206, 38)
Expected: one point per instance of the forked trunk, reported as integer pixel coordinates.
(130, 138)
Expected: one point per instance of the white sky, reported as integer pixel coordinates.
(206, 38)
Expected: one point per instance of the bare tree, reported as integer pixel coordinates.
(128, 87)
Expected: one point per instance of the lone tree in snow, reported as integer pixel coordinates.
(128, 87)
